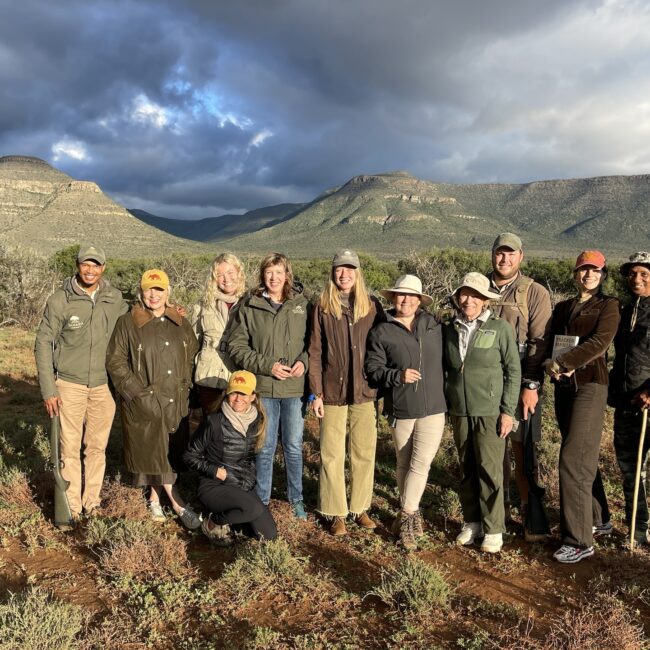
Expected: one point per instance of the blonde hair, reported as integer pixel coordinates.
(140, 301)
(209, 297)
(273, 259)
(330, 301)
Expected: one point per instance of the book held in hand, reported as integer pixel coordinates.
(563, 343)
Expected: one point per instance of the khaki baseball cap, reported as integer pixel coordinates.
(346, 257)
(507, 240)
(90, 252)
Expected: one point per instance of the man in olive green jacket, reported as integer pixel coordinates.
(71, 361)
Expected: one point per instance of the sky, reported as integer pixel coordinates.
(197, 108)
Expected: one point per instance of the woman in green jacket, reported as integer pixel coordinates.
(149, 360)
(268, 338)
(483, 375)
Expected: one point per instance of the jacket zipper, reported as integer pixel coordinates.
(139, 351)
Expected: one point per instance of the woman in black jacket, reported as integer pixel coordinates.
(223, 452)
(404, 358)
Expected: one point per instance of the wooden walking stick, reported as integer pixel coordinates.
(637, 478)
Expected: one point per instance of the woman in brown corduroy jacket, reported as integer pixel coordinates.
(580, 378)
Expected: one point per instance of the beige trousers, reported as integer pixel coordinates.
(416, 445)
(362, 443)
(86, 419)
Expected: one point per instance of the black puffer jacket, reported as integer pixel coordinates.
(393, 348)
(217, 444)
(631, 372)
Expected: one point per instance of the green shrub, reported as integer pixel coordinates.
(413, 587)
(33, 620)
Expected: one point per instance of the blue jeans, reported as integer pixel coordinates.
(286, 412)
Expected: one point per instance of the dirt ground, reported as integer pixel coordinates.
(517, 598)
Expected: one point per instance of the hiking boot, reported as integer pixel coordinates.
(602, 530)
(469, 533)
(189, 518)
(641, 538)
(218, 535)
(337, 527)
(298, 509)
(156, 511)
(492, 543)
(406, 534)
(418, 524)
(364, 521)
(571, 554)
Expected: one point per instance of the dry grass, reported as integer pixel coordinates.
(122, 500)
(137, 549)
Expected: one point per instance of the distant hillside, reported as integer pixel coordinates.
(391, 213)
(384, 214)
(223, 227)
(46, 210)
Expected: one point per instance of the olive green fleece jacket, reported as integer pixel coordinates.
(487, 382)
(260, 336)
(73, 336)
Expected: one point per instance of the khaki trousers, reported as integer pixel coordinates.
(480, 455)
(362, 443)
(416, 444)
(86, 419)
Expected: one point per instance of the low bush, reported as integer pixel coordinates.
(34, 620)
(413, 587)
(136, 548)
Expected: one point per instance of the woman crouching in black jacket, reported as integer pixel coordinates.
(223, 452)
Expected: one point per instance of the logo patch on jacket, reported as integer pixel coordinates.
(485, 339)
(74, 322)
(298, 310)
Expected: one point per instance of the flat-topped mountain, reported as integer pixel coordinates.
(395, 212)
(46, 210)
(386, 214)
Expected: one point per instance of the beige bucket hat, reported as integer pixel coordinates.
(479, 283)
(408, 284)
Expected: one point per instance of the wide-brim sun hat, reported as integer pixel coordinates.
(642, 258)
(479, 283)
(409, 284)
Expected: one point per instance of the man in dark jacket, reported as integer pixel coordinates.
(629, 386)
(71, 360)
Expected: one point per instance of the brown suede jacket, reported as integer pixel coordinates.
(595, 322)
(337, 349)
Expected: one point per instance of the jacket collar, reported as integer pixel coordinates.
(142, 316)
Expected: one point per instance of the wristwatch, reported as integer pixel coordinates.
(530, 384)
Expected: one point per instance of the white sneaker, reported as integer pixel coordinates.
(571, 554)
(492, 543)
(469, 532)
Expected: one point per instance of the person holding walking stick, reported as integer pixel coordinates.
(629, 391)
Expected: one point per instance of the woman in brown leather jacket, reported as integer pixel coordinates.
(579, 373)
(344, 315)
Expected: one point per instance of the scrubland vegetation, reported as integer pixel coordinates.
(120, 581)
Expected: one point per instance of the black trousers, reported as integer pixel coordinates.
(583, 503)
(230, 504)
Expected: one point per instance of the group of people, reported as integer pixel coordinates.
(254, 360)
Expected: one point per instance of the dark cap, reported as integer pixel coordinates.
(508, 240)
(346, 257)
(90, 252)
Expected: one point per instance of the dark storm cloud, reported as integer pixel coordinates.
(195, 107)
